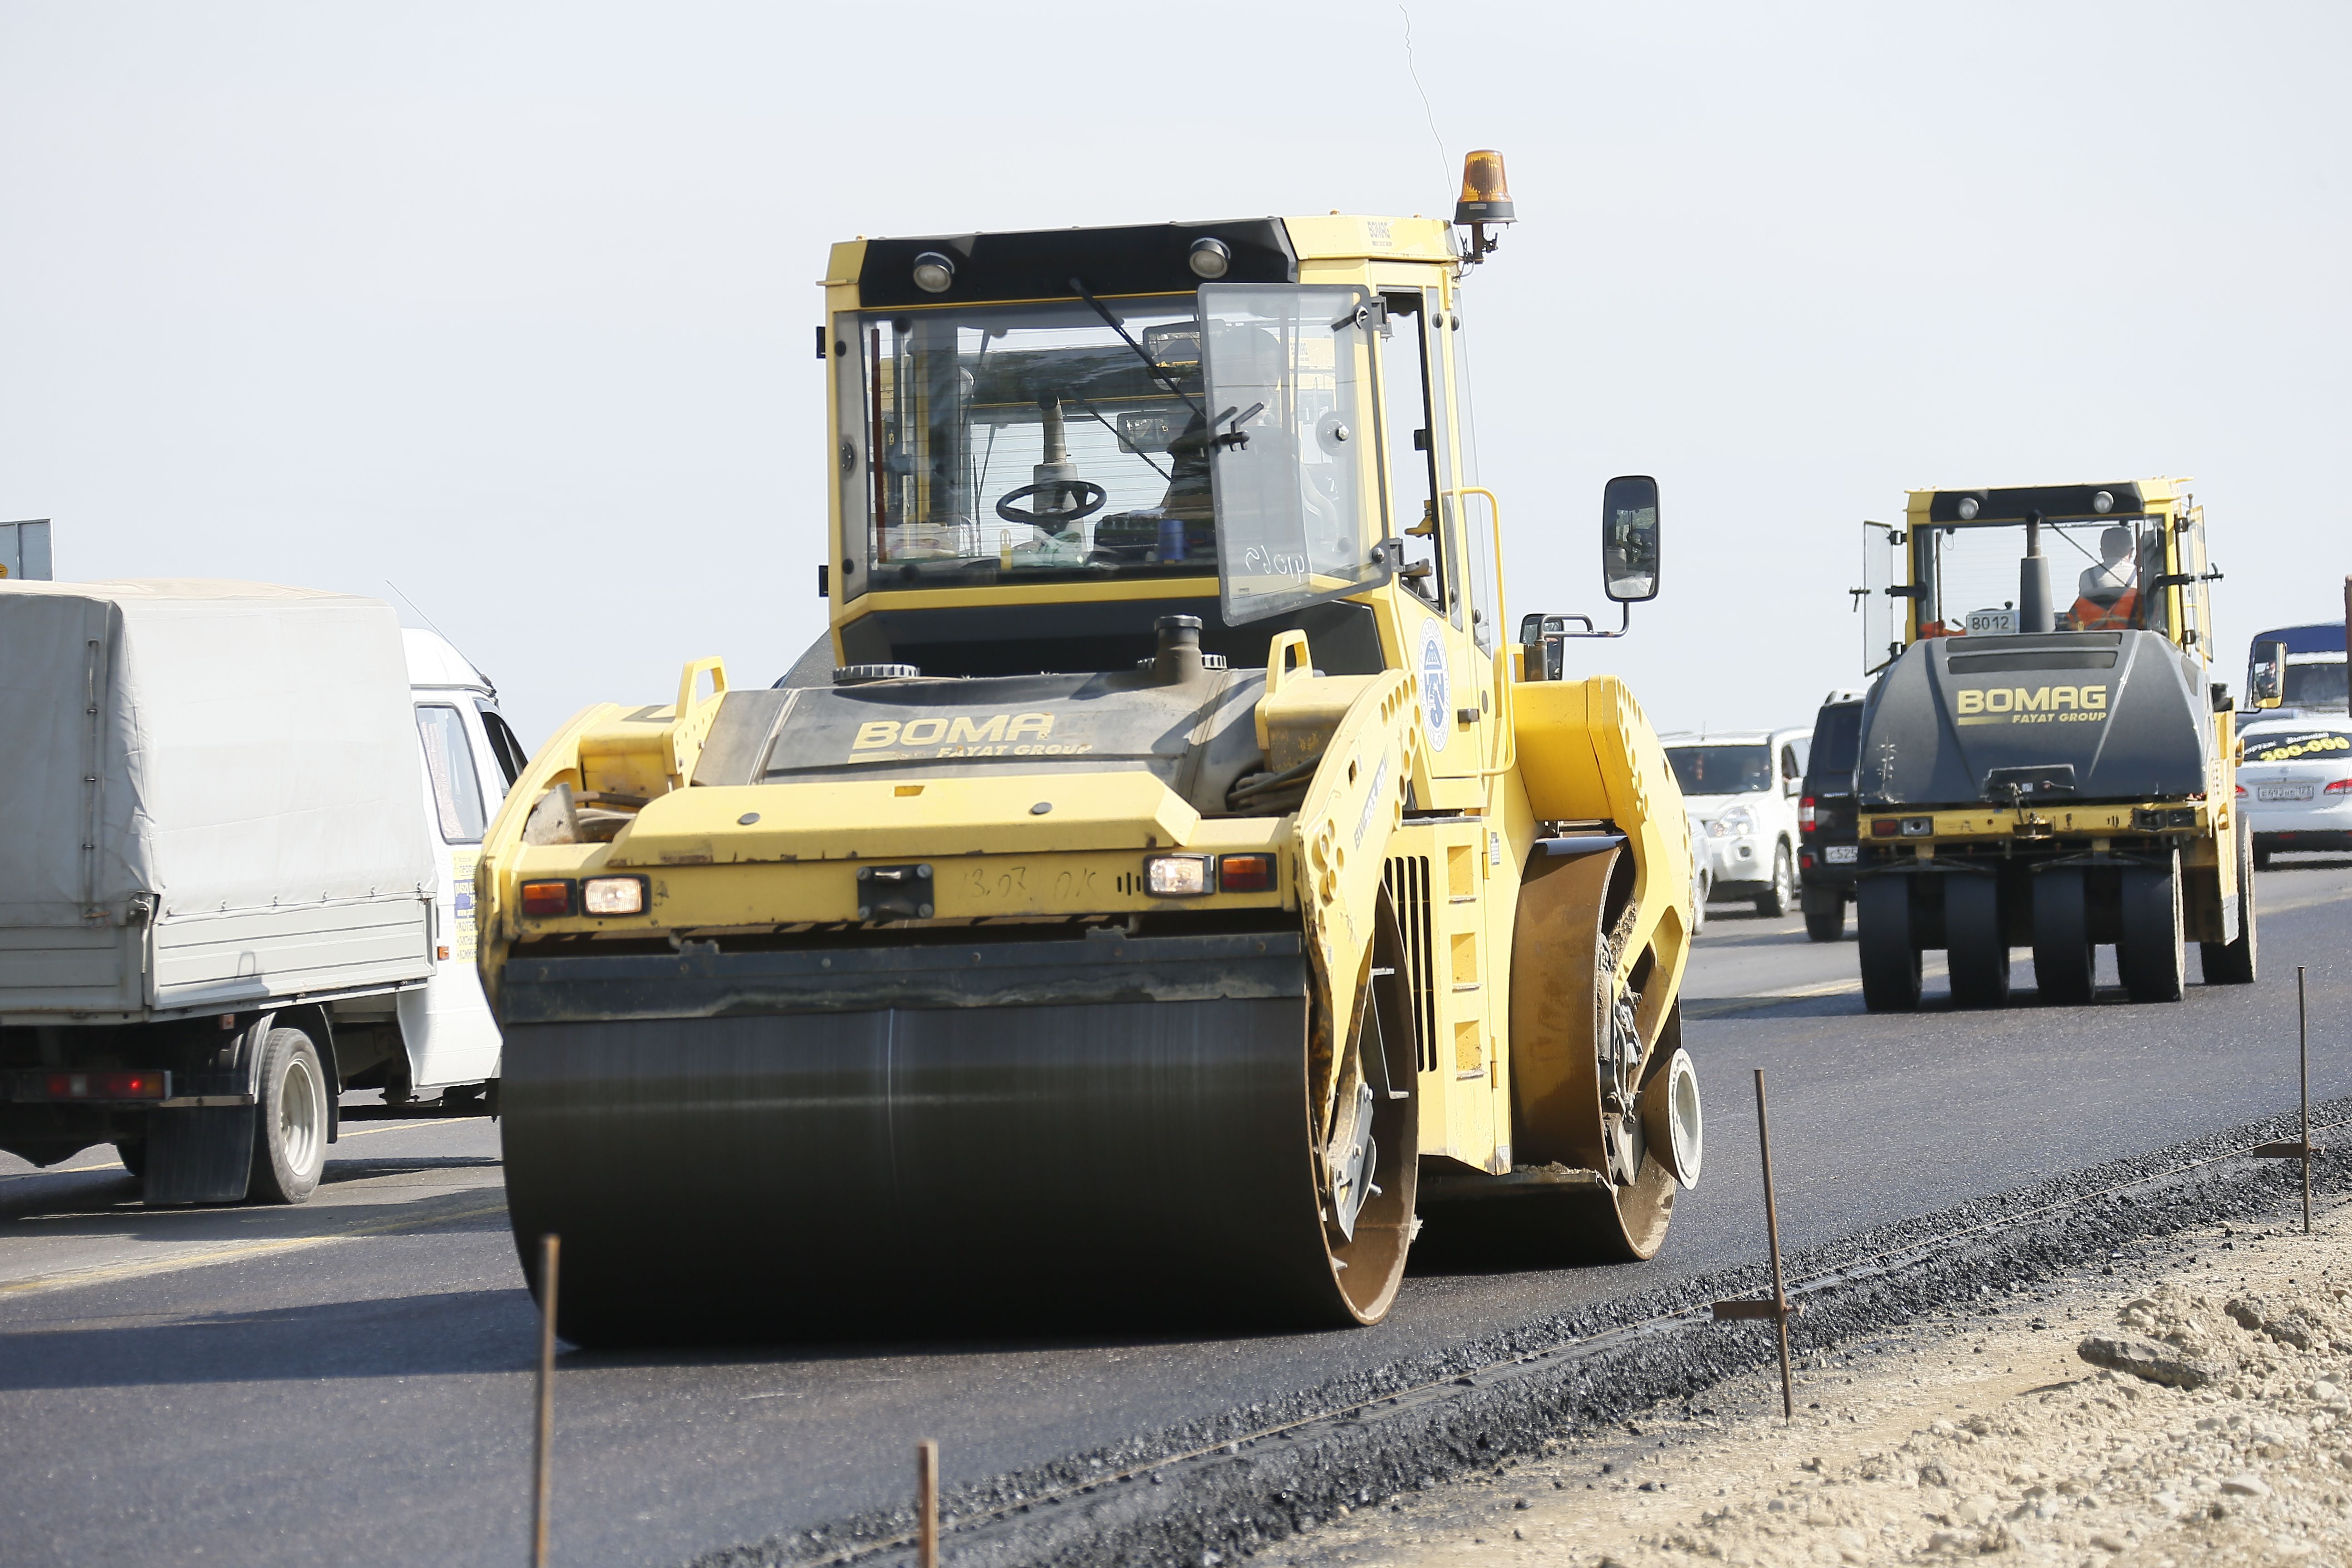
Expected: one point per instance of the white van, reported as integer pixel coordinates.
(1743, 787)
(238, 878)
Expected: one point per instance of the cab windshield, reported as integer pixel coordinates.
(1975, 577)
(1022, 443)
(1722, 770)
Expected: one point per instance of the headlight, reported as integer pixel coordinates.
(1737, 823)
(1177, 876)
(613, 896)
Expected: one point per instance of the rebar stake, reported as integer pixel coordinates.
(1777, 1307)
(2301, 1148)
(2303, 1070)
(927, 1504)
(549, 1247)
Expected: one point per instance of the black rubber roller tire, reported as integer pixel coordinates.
(1978, 946)
(1890, 957)
(1825, 914)
(2065, 963)
(2151, 953)
(2233, 962)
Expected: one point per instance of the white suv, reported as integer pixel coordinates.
(1744, 787)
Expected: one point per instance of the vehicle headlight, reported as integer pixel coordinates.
(1737, 823)
(1177, 876)
(613, 896)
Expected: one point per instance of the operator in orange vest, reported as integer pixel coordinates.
(2108, 593)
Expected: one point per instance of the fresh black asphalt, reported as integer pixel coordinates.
(367, 1400)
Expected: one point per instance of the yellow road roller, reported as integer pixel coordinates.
(2045, 759)
(1167, 882)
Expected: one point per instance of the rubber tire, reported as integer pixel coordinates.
(1825, 914)
(2152, 954)
(1890, 958)
(1973, 937)
(2065, 963)
(1775, 902)
(2234, 962)
(2261, 859)
(132, 1152)
(289, 1124)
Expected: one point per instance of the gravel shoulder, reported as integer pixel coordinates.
(1974, 1432)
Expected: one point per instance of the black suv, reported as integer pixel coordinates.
(1826, 853)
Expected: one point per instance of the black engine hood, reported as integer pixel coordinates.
(2067, 715)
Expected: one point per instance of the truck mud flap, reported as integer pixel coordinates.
(985, 1159)
(199, 1154)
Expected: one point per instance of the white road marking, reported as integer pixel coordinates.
(230, 1253)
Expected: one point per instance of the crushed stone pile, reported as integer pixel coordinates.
(2199, 1419)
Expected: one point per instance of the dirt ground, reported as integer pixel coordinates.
(1979, 1434)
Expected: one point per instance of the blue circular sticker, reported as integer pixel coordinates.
(1436, 713)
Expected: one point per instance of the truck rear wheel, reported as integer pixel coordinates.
(2151, 953)
(1890, 960)
(2232, 962)
(289, 1133)
(1978, 946)
(2064, 963)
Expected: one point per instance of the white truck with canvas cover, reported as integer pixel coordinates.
(235, 875)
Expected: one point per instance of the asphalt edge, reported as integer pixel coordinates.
(1228, 1488)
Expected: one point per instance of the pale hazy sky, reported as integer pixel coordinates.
(510, 304)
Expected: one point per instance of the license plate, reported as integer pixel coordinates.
(1838, 854)
(2283, 792)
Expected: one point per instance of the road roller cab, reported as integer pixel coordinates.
(1169, 886)
(2044, 761)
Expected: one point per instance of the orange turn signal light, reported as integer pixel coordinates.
(1246, 873)
(546, 901)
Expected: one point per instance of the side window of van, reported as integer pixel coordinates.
(449, 767)
(504, 745)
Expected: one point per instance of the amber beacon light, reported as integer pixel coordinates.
(1485, 199)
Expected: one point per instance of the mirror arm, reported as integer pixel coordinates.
(1625, 607)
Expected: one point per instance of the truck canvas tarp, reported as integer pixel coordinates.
(147, 865)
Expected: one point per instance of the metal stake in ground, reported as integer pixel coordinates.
(548, 1248)
(2301, 1149)
(1777, 1307)
(927, 1504)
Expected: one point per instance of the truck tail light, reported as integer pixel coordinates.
(141, 1084)
(1246, 873)
(1886, 828)
(546, 901)
(1805, 815)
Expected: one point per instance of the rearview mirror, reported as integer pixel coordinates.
(1629, 538)
(2266, 681)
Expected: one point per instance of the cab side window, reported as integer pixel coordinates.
(449, 769)
(504, 744)
(1408, 434)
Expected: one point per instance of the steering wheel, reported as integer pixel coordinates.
(1089, 503)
